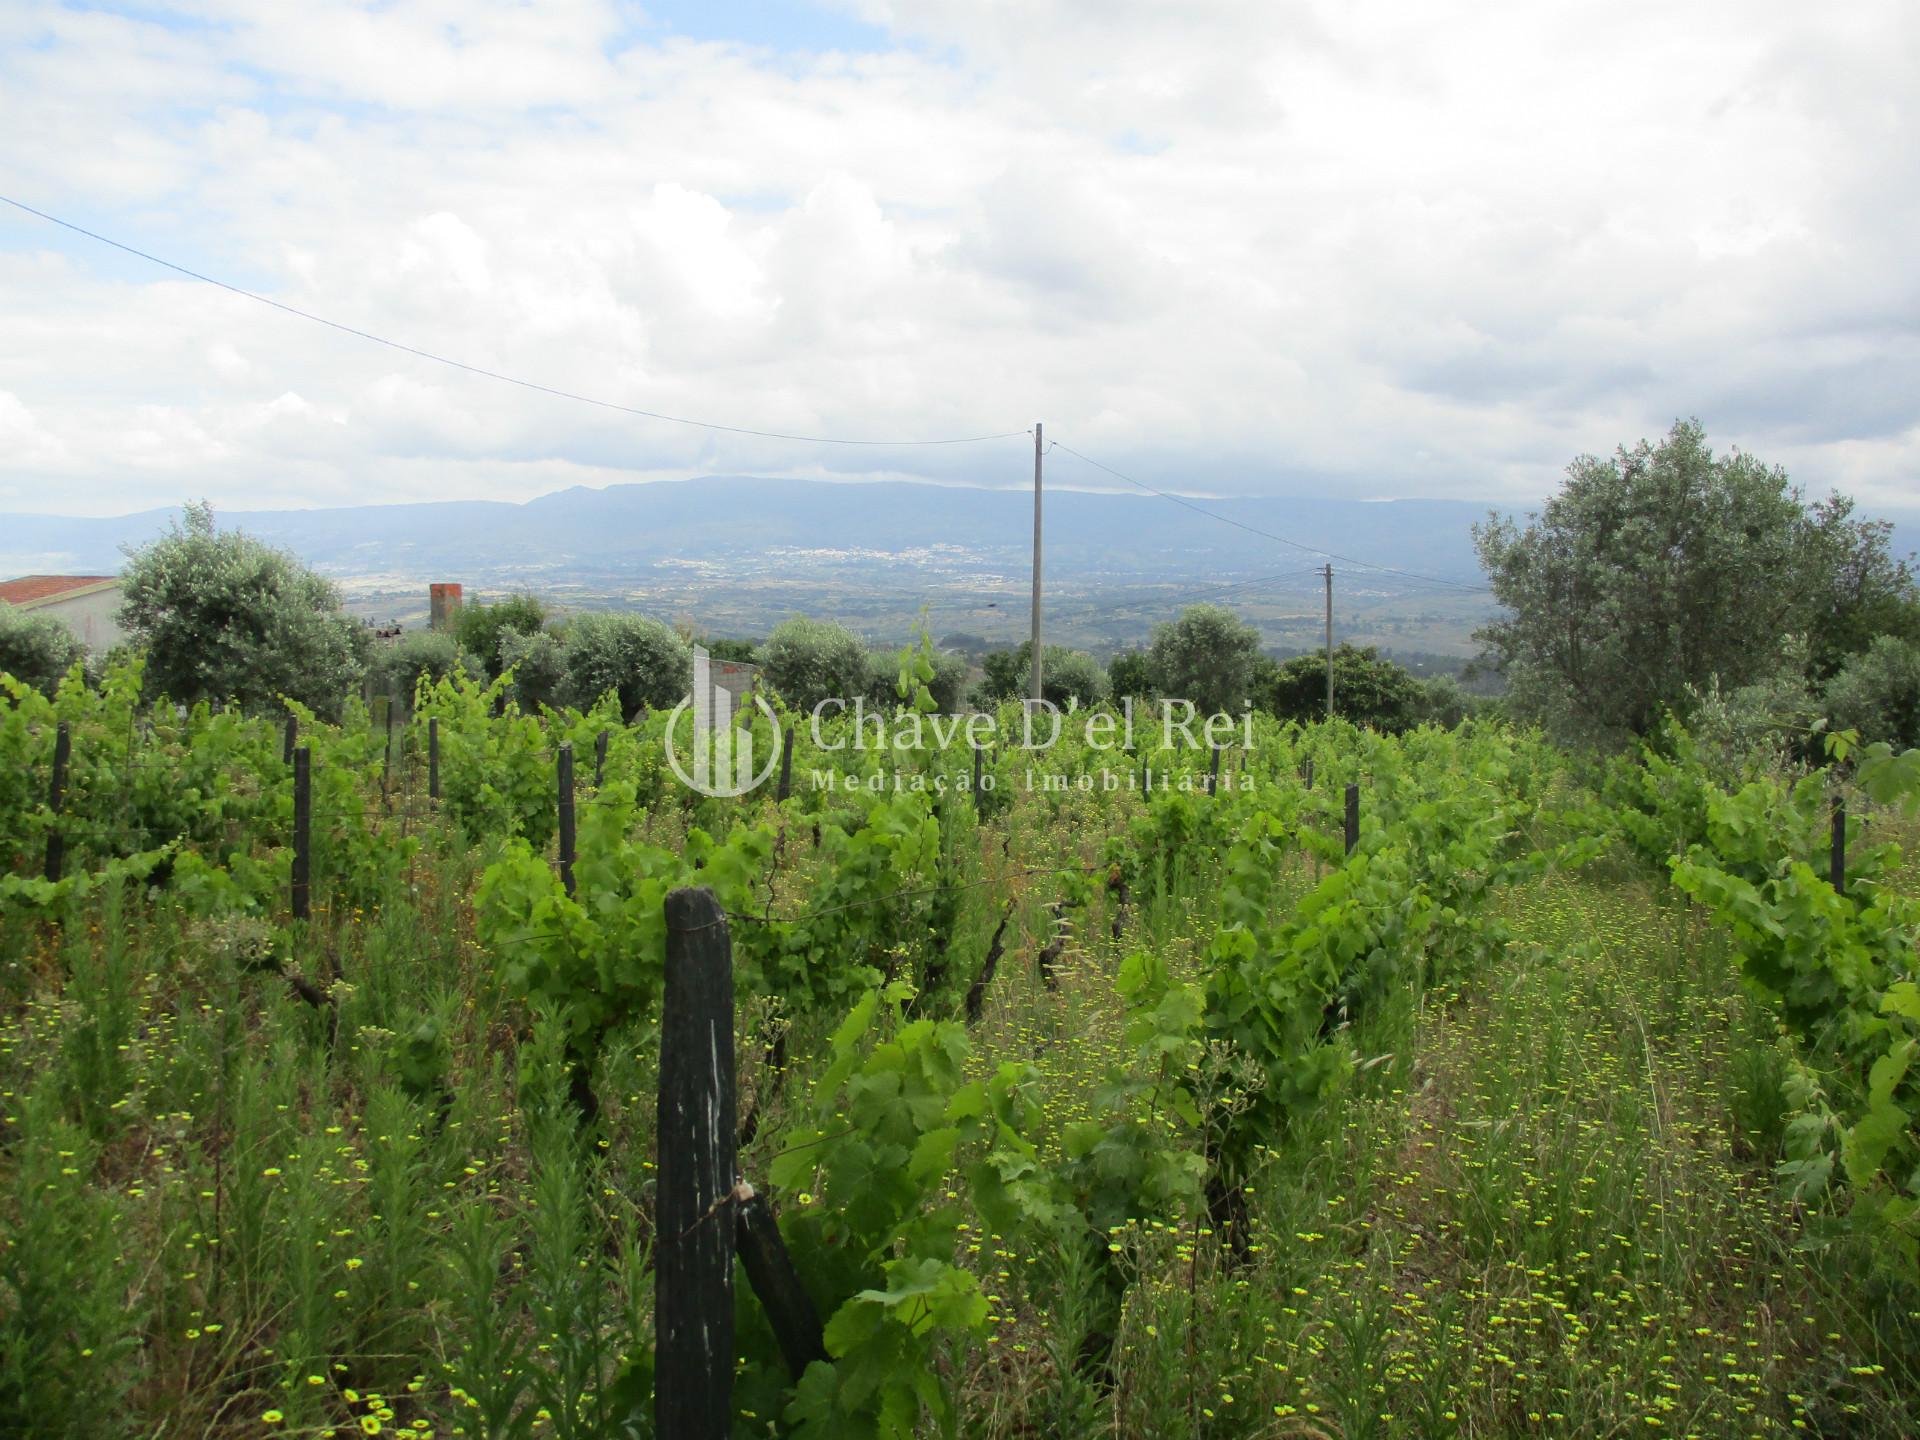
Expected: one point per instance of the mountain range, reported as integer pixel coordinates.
(734, 554)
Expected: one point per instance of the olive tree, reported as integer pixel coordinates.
(36, 649)
(225, 616)
(485, 630)
(1067, 677)
(1664, 569)
(396, 669)
(1877, 693)
(1207, 656)
(807, 661)
(1368, 689)
(539, 665)
(639, 659)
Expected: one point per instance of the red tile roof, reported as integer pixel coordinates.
(42, 587)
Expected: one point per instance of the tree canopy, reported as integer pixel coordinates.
(483, 630)
(635, 656)
(1207, 656)
(808, 661)
(36, 649)
(224, 616)
(1667, 568)
(1067, 676)
(1368, 689)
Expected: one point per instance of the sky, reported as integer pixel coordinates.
(1274, 248)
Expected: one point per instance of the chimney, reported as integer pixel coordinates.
(445, 601)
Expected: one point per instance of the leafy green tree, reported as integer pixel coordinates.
(808, 661)
(1446, 703)
(1856, 590)
(1664, 568)
(539, 665)
(638, 658)
(1130, 674)
(36, 649)
(1207, 656)
(1066, 676)
(1878, 693)
(226, 616)
(1368, 689)
(1003, 674)
(740, 650)
(396, 669)
(482, 630)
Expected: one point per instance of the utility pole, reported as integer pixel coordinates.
(1329, 575)
(1035, 666)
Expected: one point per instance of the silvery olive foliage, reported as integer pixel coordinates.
(224, 616)
(36, 649)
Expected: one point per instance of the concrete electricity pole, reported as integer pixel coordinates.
(1035, 694)
(1329, 575)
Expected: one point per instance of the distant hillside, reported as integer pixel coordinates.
(626, 527)
(736, 554)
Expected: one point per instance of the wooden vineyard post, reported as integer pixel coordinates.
(763, 1255)
(433, 757)
(386, 759)
(56, 798)
(1213, 771)
(302, 829)
(1353, 817)
(291, 739)
(1837, 860)
(600, 757)
(565, 768)
(786, 766)
(694, 1239)
(1309, 774)
(975, 789)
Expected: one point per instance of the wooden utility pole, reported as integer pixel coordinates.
(1035, 667)
(1329, 575)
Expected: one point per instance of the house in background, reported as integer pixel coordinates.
(88, 605)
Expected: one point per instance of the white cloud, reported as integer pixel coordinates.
(1409, 249)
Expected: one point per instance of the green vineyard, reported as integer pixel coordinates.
(1312, 1082)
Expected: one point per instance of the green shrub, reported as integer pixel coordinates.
(1878, 693)
(638, 658)
(807, 661)
(37, 649)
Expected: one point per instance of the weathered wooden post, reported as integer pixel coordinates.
(302, 828)
(56, 799)
(769, 1268)
(386, 758)
(696, 1128)
(1837, 860)
(290, 739)
(600, 757)
(786, 766)
(433, 757)
(566, 815)
(1213, 771)
(1309, 777)
(1353, 817)
(975, 788)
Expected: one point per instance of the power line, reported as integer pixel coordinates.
(1255, 529)
(534, 385)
